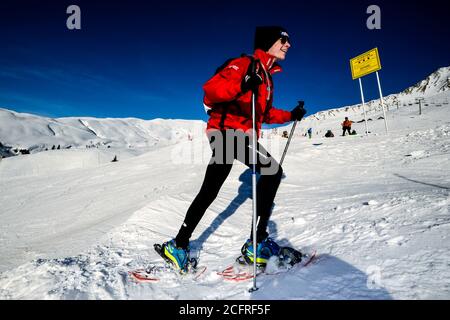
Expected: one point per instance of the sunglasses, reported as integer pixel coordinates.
(285, 39)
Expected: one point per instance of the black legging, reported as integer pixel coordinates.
(216, 173)
(344, 129)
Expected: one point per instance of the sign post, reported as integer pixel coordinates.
(364, 105)
(382, 103)
(363, 65)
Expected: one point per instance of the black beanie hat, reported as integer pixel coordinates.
(265, 37)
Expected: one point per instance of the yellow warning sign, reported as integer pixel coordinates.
(365, 63)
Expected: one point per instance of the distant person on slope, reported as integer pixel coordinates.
(329, 134)
(228, 99)
(346, 126)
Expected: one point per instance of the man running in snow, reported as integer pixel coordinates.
(228, 99)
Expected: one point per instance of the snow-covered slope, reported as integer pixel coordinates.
(437, 82)
(434, 89)
(35, 133)
(375, 207)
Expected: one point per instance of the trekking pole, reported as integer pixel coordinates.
(301, 104)
(255, 245)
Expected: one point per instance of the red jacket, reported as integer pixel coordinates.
(229, 108)
(347, 123)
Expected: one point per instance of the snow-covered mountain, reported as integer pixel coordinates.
(35, 133)
(434, 90)
(375, 207)
(437, 82)
(21, 131)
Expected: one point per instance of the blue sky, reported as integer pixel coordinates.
(149, 59)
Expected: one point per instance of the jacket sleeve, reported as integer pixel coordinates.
(277, 116)
(226, 85)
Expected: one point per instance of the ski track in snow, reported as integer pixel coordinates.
(375, 207)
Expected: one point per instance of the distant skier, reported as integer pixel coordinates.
(346, 126)
(228, 99)
(310, 133)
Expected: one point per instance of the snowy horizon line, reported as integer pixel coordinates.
(407, 91)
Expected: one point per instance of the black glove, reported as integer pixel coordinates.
(252, 79)
(298, 112)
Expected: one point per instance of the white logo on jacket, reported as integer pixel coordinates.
(234, 67)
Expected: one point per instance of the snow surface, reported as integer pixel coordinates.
(35, 133)
(375, 207)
